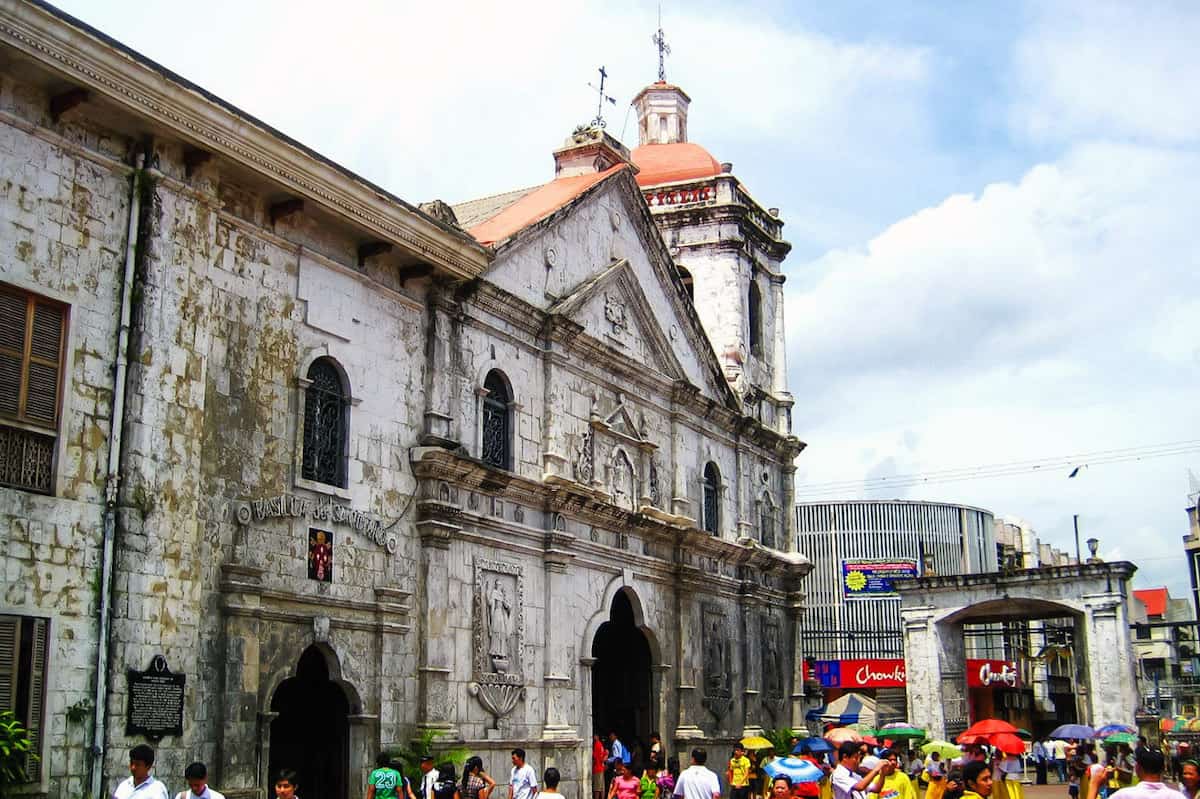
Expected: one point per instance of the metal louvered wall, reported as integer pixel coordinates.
(947, 539)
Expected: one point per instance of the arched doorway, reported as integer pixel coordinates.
(311, 733)
(622, 698)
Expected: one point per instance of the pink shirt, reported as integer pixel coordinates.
(627, 787)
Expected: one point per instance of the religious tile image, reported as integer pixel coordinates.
(320, 555)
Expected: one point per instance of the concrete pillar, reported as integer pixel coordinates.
(1111, 678)
(798, 701)
(436, 705)
(441, 425)
(688, 655)
(779, 387)
(238, 767)
(921, 656)
(558, 628)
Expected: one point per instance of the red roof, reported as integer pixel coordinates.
(537, 205)
(664, 163)
(1155, 600)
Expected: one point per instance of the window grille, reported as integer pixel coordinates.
(495, 448)
(32, 344)
(711, 505)
(325, 426)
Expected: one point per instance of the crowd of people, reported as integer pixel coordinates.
(854, 770)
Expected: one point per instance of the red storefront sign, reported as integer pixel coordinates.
(992, 674)
(873, 673)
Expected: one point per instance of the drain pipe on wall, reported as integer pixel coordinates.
(113, 482)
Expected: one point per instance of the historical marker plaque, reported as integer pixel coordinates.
(154, 707)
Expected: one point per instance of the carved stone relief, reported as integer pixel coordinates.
(614, 312)
(718, 661)
(772, 665)
(585, 458)
(622, 480)
(499, 629)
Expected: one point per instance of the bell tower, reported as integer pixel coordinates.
(662, 111)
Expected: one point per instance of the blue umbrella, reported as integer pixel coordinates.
(1113, 729)
(794, 769)
(812, 745)
(1073, 731)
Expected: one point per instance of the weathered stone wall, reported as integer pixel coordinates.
(64, 205)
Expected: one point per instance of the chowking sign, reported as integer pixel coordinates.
(992, 674)
(871, 673)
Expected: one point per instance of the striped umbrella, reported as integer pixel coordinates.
(1113, 729)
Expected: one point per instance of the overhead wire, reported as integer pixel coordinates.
(1012, 468)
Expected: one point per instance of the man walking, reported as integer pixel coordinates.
(1149, 766)
(696, 781)
(196, 775)
(140, 784)
(845, 781)
(429, 776)
(1039, 761)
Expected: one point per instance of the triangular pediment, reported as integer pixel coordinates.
(613, 309)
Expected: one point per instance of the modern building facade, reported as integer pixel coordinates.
(1164, 643)
(296, 469)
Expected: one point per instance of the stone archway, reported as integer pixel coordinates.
(1094, 596)
(310, 731)
(623, 689)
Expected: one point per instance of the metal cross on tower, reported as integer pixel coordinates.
(664, 49)
(598, 122)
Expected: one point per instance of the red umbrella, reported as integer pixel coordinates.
(988, 727)
(1007, 743)
(839, 734)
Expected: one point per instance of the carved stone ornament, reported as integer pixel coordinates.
(614, 312)
(498, 699)
(498, 629)
(622, 479)
(440, 211)
(585, 458)
(718, 661)
(772, 666)
(654, 489)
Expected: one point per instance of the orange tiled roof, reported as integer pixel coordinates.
(1155, 600)
(537, 205)
(664, 163)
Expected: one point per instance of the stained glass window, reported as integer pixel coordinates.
(711, 505)
(495, 420)
(325, 425)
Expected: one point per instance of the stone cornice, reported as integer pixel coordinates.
(121, 77)
(589, 506)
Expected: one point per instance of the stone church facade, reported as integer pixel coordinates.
(344, 469)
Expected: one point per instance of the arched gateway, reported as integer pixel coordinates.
(622, 687)
(311, 732)
(1093, 598)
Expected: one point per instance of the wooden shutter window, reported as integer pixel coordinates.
(23, 644)
(31, 353)
(9, 626)
(36, 696)
(12, 350)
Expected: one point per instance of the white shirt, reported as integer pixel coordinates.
(1147, 790)
(844, 780)
(697, 782)
(427, 781)
(209, 793)
(150, 789)
(523, 782)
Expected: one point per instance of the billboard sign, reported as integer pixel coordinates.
(992, 673)
(869, 673)
(864, 578)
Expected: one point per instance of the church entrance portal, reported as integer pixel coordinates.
(311, 734)
(622, 700)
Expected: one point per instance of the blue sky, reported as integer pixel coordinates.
(992, 204)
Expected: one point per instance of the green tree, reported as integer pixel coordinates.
(15, 752)
(408, 758)
(782, 739)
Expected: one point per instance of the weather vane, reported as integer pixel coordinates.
(598, 122)
(664, 49)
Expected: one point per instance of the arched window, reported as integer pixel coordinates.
(712, 506)
(754, 318)
(496, 447)
(326, 425)
(685, 277)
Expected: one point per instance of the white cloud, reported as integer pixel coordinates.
(1110, 69)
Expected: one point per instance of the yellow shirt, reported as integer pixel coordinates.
(896, 786)
(739, 772)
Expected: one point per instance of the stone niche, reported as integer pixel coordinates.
(498, 628)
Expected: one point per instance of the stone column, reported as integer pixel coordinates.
(1111, 684)
(364, 742)
(558, 630)
(788, 522)
(441, 426)
(922, 652)
(238, 769)
(751, 670)
(687, 652)
(779, 388)
(797, 700)
(436, 636)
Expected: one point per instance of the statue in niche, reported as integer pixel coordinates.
(622, 481)
(771, 662)
(499, 618)
(714, 657)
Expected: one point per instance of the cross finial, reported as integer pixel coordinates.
(598, 122)
(664, 49)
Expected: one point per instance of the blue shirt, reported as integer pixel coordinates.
(619, 751)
